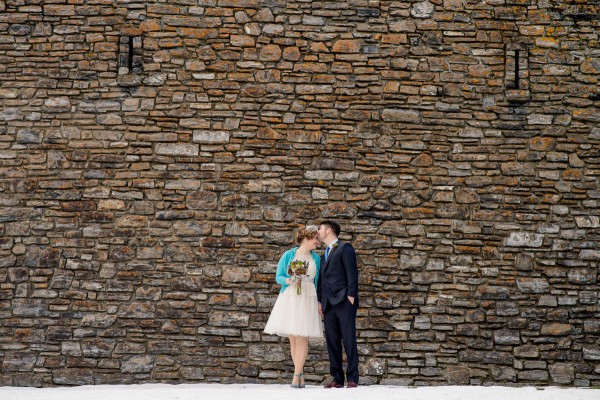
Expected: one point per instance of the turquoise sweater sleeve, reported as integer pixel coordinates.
(282, 267)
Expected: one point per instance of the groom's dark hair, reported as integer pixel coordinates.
(335, 227)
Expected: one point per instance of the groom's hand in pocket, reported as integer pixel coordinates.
(351, 299)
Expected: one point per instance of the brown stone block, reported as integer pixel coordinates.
(245, 299)
(57, 104)
(557, 329)
(192, 228)
(304, 136)
(21, 361)
(239, 3)
(202, 200)
(219, 242)
(310, 67)
(540, 143)
(270, 52)
(86, 205)
(462, 249)
(109, 119)
(222, 66)
(341, 68)
(111, 204)
(246, 369)
(73, 376)
(59, 10)
(228, 319)
(98, 347)
(177, 149)
(104, 21)
(150, 25)
(458, 375)
(130, 30)
(131, 221)
(532, 30)
(96, 216)
(400, 115)
(198, 33)
(357, 115)
(154, 8)
(547, 42)
(141, 183)
(417, 213)
(121, 253)
(551, 198)
(137, 310)
(403, 25)
(587, 114)
(242, 41)
(572, 175)
(172, 215)
(192, 22)
(291, 54)
(391, 87)
(480, 71)
(338, 210)
(220, 299)
(423, 160)
(347, 46)
(253, 91)
(144, 253)
(590, 66)
(218, 371)
(516, 168)
(265, 278)
(332, 163)
(169, 43)
(394, 38)
(8, 94)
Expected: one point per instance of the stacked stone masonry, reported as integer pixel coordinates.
(155, 157)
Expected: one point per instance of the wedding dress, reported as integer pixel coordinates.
(297, 314)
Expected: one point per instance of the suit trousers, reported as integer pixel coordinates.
(340, 327)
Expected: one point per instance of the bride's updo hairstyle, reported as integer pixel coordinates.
(306, 232)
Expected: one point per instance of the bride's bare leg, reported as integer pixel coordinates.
(293, 350)
(301, 354)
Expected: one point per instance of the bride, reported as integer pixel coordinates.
(296, 313)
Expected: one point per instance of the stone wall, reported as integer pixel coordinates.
(155, 157)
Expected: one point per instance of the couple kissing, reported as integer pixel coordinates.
(319, 292)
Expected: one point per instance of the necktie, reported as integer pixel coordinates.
(327, 253)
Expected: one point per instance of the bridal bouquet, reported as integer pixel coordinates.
(298, 269)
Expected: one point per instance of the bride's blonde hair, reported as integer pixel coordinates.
(306, 232)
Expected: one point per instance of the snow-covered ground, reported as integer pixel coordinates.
(284, 392)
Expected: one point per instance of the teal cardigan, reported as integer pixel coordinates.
(284, 262)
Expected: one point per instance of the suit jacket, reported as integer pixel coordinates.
(339, 276)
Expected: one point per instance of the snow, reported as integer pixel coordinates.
(284, 392)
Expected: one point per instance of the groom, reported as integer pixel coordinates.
(337, 292)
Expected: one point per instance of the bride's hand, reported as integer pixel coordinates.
(290, 280)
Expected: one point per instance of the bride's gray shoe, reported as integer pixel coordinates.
(301, 385)
(296, 385)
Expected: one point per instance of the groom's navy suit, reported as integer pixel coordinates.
(338, 280)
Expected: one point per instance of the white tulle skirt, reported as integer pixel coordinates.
(296, 314)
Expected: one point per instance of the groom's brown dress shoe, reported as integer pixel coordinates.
(333, 384)
(352, 384)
